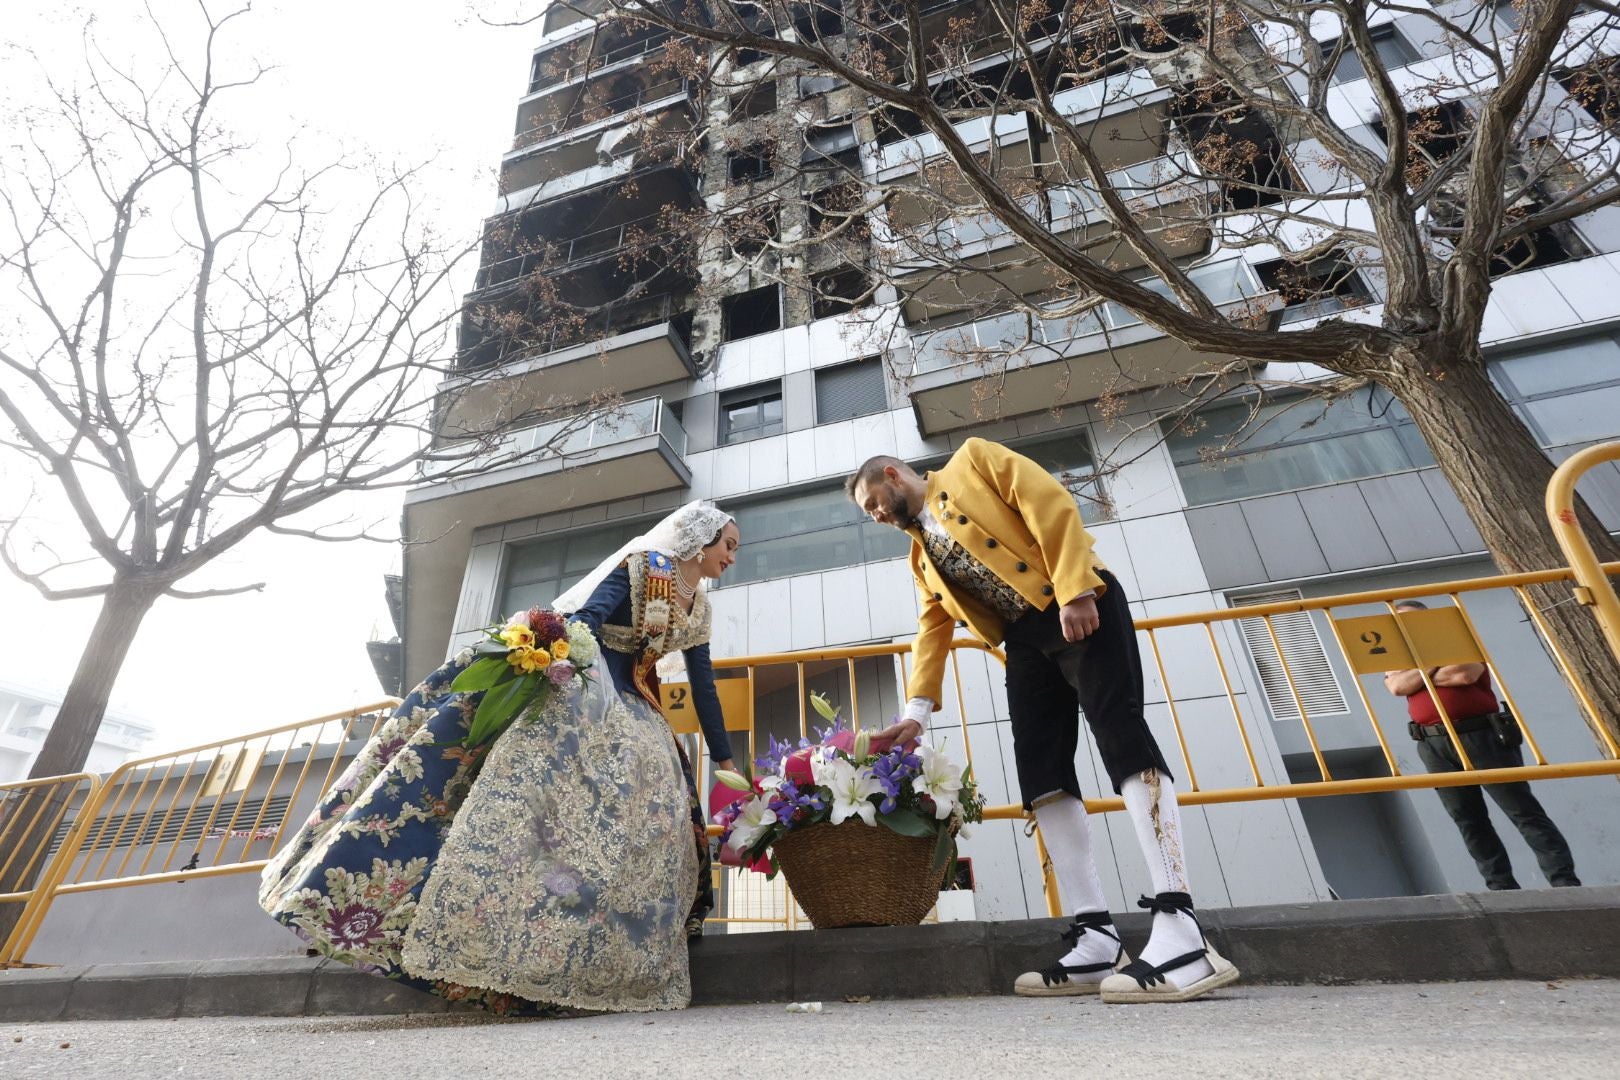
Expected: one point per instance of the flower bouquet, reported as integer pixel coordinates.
(865, 831)
(535, 654)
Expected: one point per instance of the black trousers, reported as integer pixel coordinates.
(1466, 805)
(1049, 681)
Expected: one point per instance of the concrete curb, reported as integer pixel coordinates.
(1543, 934)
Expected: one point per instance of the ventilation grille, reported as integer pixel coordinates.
(136, 829)
(849, 390)
(1307, 660)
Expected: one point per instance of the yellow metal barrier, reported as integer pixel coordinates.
(1593, 587)
(32, 813)
(219, 808)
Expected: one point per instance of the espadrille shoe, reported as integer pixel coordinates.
(1140, 982)
(1064, 980)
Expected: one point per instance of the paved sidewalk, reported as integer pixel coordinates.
(1480, 1029)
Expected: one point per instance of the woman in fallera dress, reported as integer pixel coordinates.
(562, 866)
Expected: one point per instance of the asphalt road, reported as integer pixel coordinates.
(1475, 1030)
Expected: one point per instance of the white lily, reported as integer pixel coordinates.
(852, 788)
(939, 779)
(733, 780)
(756, 817)
(821, 760)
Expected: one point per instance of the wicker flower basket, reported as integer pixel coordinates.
(856, 874)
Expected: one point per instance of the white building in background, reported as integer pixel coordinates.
(750, 393)
(26, 715)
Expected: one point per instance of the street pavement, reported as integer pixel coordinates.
(1477, 1030)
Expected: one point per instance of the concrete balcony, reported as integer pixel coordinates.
(1110, 99)
(1056, 361)
(555, 112)
(1166, 191)
(635, 449)
(644, 349)
(591, 145)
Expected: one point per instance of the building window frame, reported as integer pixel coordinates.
(747, 413)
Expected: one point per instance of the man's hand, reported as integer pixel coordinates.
(1079, 618)
(900, 733)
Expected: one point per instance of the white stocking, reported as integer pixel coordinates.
(1150, 800)
(1067, 833)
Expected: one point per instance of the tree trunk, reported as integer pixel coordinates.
(73, 733)
(71, 737)
(1500, 473)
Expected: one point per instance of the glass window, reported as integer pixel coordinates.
(538, 571)
(1234, 451)
(803, 533)
(1392, 51)
(753, 412)
(850, 390)
(1068, 457)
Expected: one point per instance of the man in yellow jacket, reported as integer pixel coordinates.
(997, 544)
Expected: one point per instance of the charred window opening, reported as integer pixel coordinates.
(839, 291)
(1156, 35)
(818, 19)
(752, 231)
(1595, 87)
(895, 124)
(1433, 136)
(750, 163)
(1235, 145)
(834, 208)
(1315, 288)
(754, 103)
(832, 145)
(757, 311)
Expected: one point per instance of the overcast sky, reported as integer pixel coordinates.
(406, 80)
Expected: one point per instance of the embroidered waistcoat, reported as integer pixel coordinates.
(956, 563)
(658, 626)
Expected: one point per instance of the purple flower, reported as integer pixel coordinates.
(560, 672)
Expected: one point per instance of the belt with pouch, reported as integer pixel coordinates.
(1419, 732)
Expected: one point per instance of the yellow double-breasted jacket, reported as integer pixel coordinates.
(1016, 519)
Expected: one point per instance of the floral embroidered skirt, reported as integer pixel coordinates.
(556, 872)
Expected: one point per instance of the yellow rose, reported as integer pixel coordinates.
(517, 637)
(559, 649)
(538, 660)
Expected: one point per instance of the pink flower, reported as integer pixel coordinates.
(560, 672)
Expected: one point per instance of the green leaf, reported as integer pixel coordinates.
(908, 823)
(497, 708)
(481, 674)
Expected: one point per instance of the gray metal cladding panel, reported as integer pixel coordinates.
(1451, 511)
(1283, 534)
(1349, 537)
(1412, 525)
(1224, 545)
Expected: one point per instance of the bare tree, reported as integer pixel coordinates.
(205, 339)
(1048, 170)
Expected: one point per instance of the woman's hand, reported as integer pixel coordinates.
(727, 765)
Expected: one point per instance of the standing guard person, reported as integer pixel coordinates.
(997, 543)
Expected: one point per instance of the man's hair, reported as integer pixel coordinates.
(1418, 604)
(871, 471)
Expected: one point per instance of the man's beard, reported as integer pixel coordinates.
(899, 512)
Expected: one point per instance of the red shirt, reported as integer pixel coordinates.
(1461, 702)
